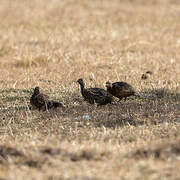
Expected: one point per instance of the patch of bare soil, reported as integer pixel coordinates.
(164, 151)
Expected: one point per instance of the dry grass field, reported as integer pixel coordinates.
(51, 44)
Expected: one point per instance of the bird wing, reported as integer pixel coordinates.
(122, 86)
(42, 99)
(99, 94)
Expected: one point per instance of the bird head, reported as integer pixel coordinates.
(149, 72)
(81, 82)
(108, 84)
(36, 90)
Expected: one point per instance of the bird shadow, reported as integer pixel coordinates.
(154, 109)
(158, 106)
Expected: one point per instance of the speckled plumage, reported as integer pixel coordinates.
(41, 101)
(120, 89)
(95, 95)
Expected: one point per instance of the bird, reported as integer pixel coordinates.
(95, 95)
(41, 101)
(146, 75)
(120, 89)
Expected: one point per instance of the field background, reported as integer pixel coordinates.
(53, 43)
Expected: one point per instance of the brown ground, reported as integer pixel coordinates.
(53, 43)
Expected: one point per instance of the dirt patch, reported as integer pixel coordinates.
(164, 151)
(6, 151)
(32, 163)
(50, 151)
(84, 155)
(72, 178)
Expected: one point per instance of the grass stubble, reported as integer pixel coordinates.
(53, 43)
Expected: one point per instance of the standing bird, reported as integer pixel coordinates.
(41, 101)
(95, 95)
(120, 89)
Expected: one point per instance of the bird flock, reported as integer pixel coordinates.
(96, 95)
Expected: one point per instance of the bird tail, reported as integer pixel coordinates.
(54, 104)
(57, 104)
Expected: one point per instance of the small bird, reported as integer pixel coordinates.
(95, 95)
(146, 75)
(149, 72)
(42, 102)
(120, 89)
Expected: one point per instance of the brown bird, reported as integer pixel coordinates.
(146, 75)
(95, 95)
(42, 102)
(120, 89)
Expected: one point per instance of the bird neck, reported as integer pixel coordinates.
(109, 89)
(82, 88)
(35, 93)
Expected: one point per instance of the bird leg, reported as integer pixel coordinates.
(120, 99)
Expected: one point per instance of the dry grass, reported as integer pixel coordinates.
(53, 43)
